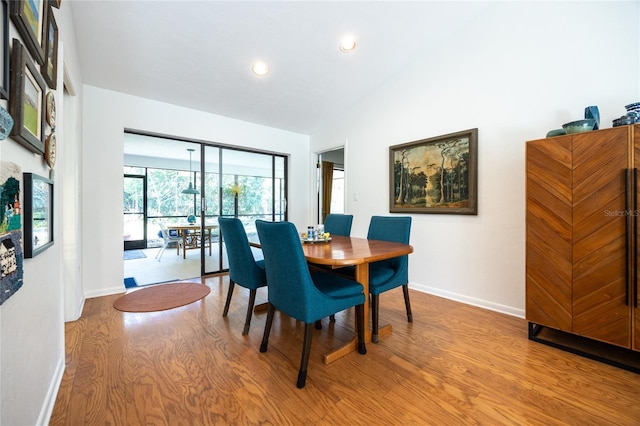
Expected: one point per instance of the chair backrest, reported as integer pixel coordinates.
(167, 233)
(338, 224)
(391, 228)
(242, 265)
(291, 289)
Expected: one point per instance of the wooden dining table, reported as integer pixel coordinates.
(358, 252)
(191, 238)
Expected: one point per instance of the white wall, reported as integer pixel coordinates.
(106, 115)
(31, 321)
(515, 73)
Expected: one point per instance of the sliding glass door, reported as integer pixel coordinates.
(251, 186)
(185, 186)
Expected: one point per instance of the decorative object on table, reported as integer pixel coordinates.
(49, 68)
(4, 50)
(161, 297)
(51, 109)
(191, 219)
(435, 175)
(191, 190)
(579, 126)
(6, 123)
(11, 254)
(592, 112)
(631, 117)
(326, 238)
(556, 132)
(27, 100)
(50, 150)
(236, 189)
(244, 270)
(28, 17)
(38, 214)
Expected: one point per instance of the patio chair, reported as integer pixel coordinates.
(168, 238)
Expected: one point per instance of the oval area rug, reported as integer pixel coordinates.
(161, 297)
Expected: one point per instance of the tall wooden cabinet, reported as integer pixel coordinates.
(582, 238)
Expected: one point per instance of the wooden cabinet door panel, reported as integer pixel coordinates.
(548, 234)
(636, 310)
(599, 239)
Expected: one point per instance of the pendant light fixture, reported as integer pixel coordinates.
(190, 190)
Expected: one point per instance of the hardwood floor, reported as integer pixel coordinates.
(455, 364)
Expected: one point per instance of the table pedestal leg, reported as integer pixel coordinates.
(362, 276)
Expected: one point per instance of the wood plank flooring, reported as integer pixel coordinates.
(455, 364)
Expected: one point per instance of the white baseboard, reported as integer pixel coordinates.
(52, 393)
(105, 292)
(492, 306)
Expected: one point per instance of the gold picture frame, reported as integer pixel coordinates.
(435, 175)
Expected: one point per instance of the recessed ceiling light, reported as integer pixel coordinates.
(348, 44)
(260, 68)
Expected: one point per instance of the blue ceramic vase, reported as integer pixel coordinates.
(592, 112)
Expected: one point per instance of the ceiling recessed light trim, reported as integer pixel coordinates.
(260, 68)
(348, 44)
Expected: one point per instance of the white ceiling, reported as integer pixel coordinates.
(198, 54)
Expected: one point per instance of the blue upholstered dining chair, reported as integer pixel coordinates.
(301, 294)
(244, 270)
(391, 273)
(338, 224)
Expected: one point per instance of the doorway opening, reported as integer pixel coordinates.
(330, 183)
(174, 192)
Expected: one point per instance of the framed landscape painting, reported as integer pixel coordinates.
(435, 175)
(27, 100)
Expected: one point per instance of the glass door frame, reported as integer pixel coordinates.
(220, 149)
(138, 244)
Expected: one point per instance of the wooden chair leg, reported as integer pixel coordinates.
(228, 302)
(332, 318)
(360, 325)
(319, 325)
(247, 321)
(407, 303)
(267, 328)
(375, 302)
(304, 360)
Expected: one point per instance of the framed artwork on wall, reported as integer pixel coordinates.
(28, 17)
(27, 100)
(11, 255)
(38, 214)
(435, 175)
(50, 66)
(4, 49)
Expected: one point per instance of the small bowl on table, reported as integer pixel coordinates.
(579, 126)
